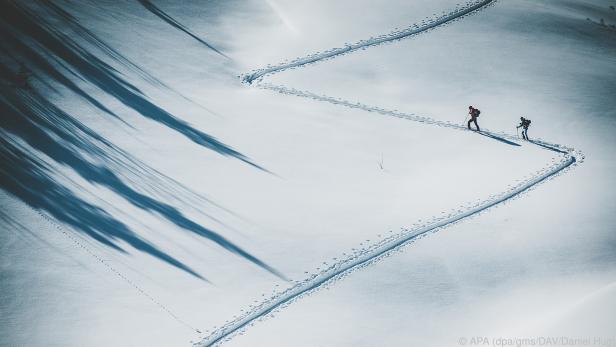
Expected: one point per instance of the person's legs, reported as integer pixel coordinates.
(476, 125)
(469, 123)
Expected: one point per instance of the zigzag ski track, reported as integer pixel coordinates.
(386, 246)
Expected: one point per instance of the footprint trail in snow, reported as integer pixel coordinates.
(386, 245)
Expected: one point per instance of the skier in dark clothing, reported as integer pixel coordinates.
(474, 113)
(524, 124)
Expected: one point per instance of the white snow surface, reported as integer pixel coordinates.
(328, 180)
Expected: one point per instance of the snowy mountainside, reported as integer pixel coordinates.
(148, 196)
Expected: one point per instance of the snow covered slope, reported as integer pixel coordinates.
(149, 196)
(393, 305)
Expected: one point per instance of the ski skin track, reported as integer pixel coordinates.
(570, 158)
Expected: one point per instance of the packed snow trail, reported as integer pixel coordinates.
(457, 13)
(388, 245)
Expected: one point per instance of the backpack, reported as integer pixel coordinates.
(477, 112)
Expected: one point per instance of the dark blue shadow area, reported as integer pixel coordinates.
(49, 130)
(498, 138)
(32, 37)
(29, 180)
(40, 61)
(94, 40)
(162, 15)
(554, 149)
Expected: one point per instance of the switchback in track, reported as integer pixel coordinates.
(386, 246)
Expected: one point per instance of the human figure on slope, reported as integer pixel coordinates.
(524, 124)
(474, 113)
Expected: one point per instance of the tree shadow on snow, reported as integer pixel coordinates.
(31, 36)
(168, 19)
(29, 179)
(35, 133)
(50, 131)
